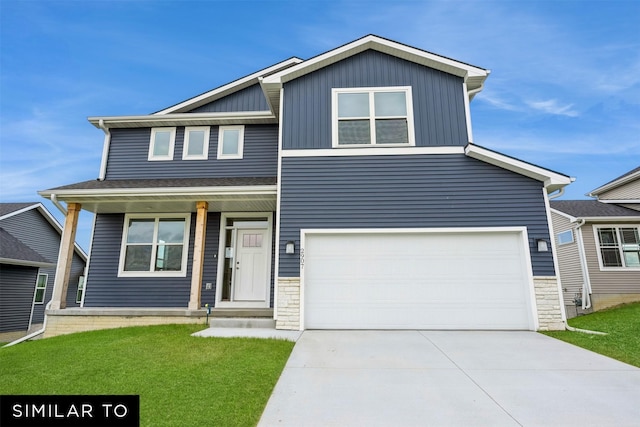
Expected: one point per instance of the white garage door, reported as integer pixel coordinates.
(430, 280)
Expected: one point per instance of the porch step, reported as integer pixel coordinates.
(260, 313)
(242, 322)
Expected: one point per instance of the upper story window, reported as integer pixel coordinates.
(154, 245)
(372, 116)
(161, 144)
(230, 142)
(618, 246)
(196, 143)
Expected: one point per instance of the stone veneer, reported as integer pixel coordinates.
(548, 304)
(67, 321)
(288, 303)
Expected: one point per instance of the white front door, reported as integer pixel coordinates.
(251, 272)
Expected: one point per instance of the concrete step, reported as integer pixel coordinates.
(262, 313)
(242, 322)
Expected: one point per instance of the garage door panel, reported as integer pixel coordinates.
(408, 281)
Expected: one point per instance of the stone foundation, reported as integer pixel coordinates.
(548, 304)
(288, 303)
(67, 321)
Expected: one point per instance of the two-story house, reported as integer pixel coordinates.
(344, 191)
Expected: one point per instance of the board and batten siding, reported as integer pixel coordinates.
(32, 229)
(611, 281)
(438, 100)
(248, 99)
(129, 152)
(413, 191)
(17, 286)
(571, 274)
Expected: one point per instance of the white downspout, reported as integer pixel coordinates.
(586, 283)
(54, 200)
(555, 195)
(33, 334)
(105, 150)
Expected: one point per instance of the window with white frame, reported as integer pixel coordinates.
(41, 288)
(80, 292)
(565, 237)
(161, 143)
(154, 245)
(618, 246)
(372, 117)
(196, 143)
(230, 142)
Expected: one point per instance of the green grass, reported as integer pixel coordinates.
(181, 380)
(622, 324)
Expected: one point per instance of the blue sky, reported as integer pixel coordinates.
(564, 91)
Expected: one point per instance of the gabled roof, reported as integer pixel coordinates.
(552, 180)
(473, 76)
(14, 252)
(632, 175)
(8, 210)
(594, 210)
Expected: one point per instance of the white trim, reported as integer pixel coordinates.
(33, 303)
(554, 254)
(205, 143)
(467, 111)
(152, 144)
(105, 150)
(221, 131)
(151, 273)
(276, 265)
(532, 315)
(583, 260)
(371, 91)
(596, 238)
(373, 151)
(566, 215)
(84, 286)
(186, 119)
(620, 201)
(614, 184)
(171, 191)
(552, 180)
(44, 293)
(221, 259)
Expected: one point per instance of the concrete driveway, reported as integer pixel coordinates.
(461, 378)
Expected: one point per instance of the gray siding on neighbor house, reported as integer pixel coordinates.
(17, 285)
(32, 229)
(629, 191)
(438, 100)
(406, 192)
(248, 99)
(571, 274)
(129, 151)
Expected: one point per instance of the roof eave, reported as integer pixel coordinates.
(614, 184)
(185, 119)
(26, 263)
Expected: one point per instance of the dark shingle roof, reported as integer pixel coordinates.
(115, 184)
(13, 249)
(591, 208)
(7, 208)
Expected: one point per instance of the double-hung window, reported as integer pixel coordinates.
(161, 144)
(230, 142)
(372, 117)
(154, 245)
(41, 288)
(196, 143)
(80, 292)
(618, 247)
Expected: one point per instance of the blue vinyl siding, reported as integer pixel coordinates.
(417, 191)
(438, 100)
(17, 284)
(248, 99)
(129, 151)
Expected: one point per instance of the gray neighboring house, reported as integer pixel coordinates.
(29, 245)
(599, 245)
(340, 192)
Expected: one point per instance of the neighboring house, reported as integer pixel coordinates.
(344, 191)
(29, 245)
(599, 245)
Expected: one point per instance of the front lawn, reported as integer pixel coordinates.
(622, 324)
(181, 380)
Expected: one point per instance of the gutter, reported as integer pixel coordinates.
(105, 149)
(54, 200)
(33, 334)
(556, 195)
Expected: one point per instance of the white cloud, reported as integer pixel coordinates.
(551, 106)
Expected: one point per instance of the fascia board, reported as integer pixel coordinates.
(227, 89)
(26, 263)
(19, 211)
(552, 180)
(620, 201)
(171, 191)
(176, 119)
(383, 45)
(605, 219)
(566, 215)
(614, 184)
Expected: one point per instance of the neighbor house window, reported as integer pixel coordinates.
(230, 142)
(565, 237)
(618, 246)
(41, 287)
(196, 143)
(154, 245)
(80, 292)
(372, 116)
(161, 144)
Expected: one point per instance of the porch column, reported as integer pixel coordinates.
(65, 257)
(198, 256)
